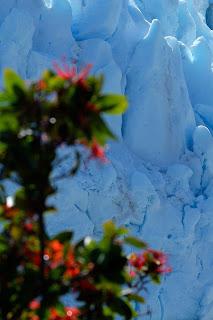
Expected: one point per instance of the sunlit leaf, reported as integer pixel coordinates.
(136, 297)
(8, 123)
(135, 242)
(11, 80)
(113, 104)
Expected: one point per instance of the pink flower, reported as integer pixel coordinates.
(70, 73)
(150, 261)
(67, 73)
(159, 259)
(84, 72)
(132, 274)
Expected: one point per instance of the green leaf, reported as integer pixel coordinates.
(135, 242)
(121, 231)
(4, 99)
(3, 149)
(155, 278)
(135, 297)
(3, 245)
(48, 74)
(20, 198)
(64, 236)
(55, 83)
(108, 313)
(95, 84)
(109, 228)
(121, 307)
(12, 80)
(113, 104)
(8, 122)
(101, 131)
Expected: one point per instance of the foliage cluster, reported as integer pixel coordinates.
(36, 270)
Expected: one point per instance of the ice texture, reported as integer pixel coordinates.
(159, 181)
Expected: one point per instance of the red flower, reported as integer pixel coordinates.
(41, 85)
(10, 211)
(72, 272)
(137, 261)
(73, 267)
(160, 259)
(56, 246)
(72, 313)
(86, 285)
(150, 261)
(91, 107)
(33, 256)
(54, 253)
(34, 305)
(54, 257)
(36, 259)
(158, 256)
(54, 315)
(28, 227)
(70, 73)
(98, 152)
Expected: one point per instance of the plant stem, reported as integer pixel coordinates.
(42, 262)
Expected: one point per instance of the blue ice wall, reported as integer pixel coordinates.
(159, 181)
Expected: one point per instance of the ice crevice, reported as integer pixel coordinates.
(161, 305)
(159, 181)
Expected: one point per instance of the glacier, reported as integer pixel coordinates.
(159, 181)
